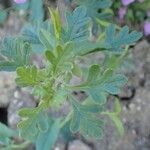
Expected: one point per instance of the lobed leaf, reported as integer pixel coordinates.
(15, 53)
(84, 121)
(63, 61)
(95, 9)
(27, 76)
(33, 123)
(118, 41)
(56, 20)
(77, 25)
(98, 85)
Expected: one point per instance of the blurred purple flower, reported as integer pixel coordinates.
(147, 28)
(122, 12)
(20, 1)
(127, 2)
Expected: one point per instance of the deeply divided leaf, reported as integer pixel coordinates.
(99, 84)
(118, 41)
(15, 53)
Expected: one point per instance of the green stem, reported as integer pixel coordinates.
(18, 147)
(66, 119)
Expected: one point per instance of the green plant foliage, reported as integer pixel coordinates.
(124, 38)
(47, 140)
(33, 34)
(3, 15)
(6, 134)
(34, 122)
(94, 7)
(30, 32)
(64, 46)
(56, 22)
(47, 39)
(27, 76)
(15, 53)
(77, 25)
(98, 85)
(37, 11)
(63, 61)
(84, 121)
(115, 117)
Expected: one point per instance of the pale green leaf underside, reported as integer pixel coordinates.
(33, 123)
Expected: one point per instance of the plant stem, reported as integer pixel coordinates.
(18, 147)
(66, 119)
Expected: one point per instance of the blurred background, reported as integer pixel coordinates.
(135, 96)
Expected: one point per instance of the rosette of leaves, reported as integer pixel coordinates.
(62, 46)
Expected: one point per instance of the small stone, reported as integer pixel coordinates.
(124, 108)
(138, 100)
(134, 132)
(16, 94)
(78, 145)
(124, 120)
(138, 108)
(132, 106)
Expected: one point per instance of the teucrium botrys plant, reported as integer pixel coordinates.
(63, 45)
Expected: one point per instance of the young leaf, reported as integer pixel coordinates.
(46, 141)
(76, 70)
(16, 53)
(46, 39)
(33, 123)
(27, 76)
(63, 61)
(59, 98)
(84, 121)
(56, 20)
(124, 38)
(77, 25)
(98, 86)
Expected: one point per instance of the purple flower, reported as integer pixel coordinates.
(127, 2)
(20, 1)
(147, 28)
(122, 12)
